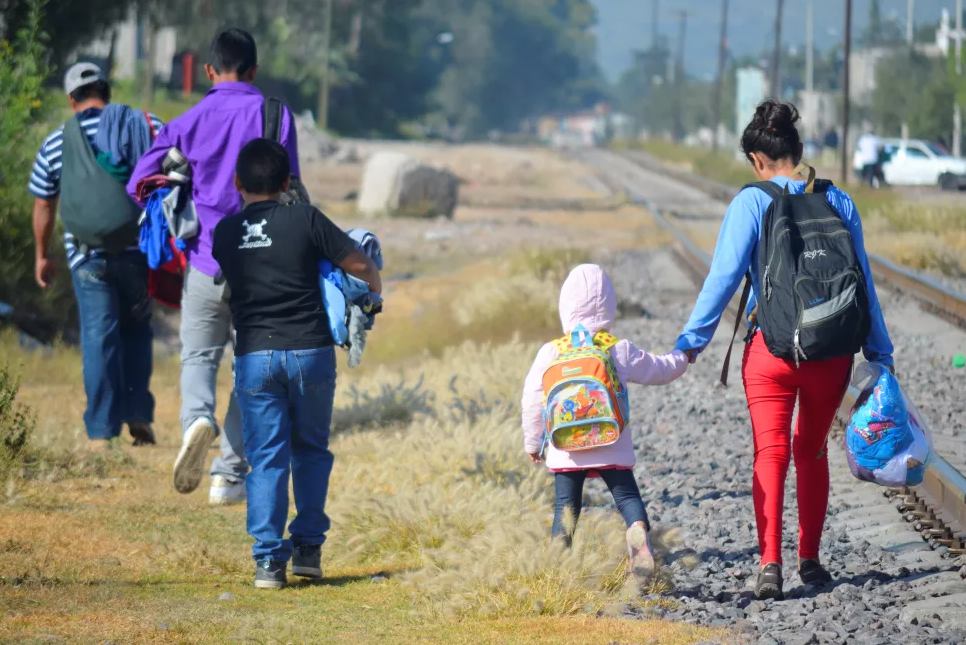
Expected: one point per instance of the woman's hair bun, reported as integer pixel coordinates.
(777, 117)
(772, 131)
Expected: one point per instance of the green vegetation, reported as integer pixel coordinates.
(16, 424)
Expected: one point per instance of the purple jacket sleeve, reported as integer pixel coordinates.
(150, 162)
(290, 141)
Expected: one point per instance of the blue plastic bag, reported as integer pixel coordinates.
(885, 442)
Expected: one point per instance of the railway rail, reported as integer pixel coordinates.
(936, 508)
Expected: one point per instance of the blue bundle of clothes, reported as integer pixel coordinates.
(884, 441)
(350, 306)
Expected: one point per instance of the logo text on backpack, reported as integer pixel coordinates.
(811, 255)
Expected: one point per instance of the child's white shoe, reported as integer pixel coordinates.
(640, 559)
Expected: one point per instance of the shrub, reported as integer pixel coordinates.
(22, 73)
(16, 424)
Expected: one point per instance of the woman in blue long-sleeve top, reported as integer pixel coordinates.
(773, 385)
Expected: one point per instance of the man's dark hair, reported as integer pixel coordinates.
(233, 50)
(262, 167)
(96, 90)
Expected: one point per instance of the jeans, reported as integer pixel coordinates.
(115, 336)
(285, 398)
(205, 330)
(569, 491)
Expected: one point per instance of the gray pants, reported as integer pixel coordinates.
(205, 330)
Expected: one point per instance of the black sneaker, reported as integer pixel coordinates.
(813, 573)
(769, 583)
(270, 574)
(142, 433)
(307, 560)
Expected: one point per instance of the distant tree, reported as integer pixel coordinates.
(915, 89)
(70, 23)
(880, 31)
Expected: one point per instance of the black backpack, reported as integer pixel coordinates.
(813, 302)
(272, 129)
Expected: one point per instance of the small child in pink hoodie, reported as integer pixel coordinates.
(587, 298)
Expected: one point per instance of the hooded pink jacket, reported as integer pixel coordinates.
(588, 298)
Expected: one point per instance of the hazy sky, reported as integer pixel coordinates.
(625, 25)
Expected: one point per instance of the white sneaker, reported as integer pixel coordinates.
(189, 466)
(223, 491)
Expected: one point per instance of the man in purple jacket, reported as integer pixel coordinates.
(210, 135)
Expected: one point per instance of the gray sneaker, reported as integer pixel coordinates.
(270, 574)
(307, 561)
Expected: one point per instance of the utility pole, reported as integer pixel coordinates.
(844, 161)
(957, 112)
(910, 20)
(776, 56)
(679, 77)
(323, 118)
(809, 46)
(722, 54)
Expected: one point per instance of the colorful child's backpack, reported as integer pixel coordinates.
(586, 403)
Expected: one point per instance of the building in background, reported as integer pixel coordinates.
(133, 42)
(751, 88)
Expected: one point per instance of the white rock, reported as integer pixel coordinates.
(396, 185)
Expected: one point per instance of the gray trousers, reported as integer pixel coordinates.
(205, 330)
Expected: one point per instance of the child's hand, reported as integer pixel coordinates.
(692, 355)
(535, 457)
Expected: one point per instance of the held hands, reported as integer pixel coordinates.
(535, 457)
(692, 355)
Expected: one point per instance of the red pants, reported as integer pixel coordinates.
(772, 386)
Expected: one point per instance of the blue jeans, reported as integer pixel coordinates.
(285, 399)
(115, 335)
(569, 491)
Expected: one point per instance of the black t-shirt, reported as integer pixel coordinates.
(269, 255)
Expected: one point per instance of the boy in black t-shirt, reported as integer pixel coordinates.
(284, 359)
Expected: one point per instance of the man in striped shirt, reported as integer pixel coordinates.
(110, 285)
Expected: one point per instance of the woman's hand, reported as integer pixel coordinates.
(535, 457)
(692, 355)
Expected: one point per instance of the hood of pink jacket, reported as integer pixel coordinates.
(587, 297)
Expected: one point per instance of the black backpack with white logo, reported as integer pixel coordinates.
(813, 302)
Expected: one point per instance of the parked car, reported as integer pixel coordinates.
(914, 162)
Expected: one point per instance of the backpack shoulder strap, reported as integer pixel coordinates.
(742, 304)
(562, 344)
(272, 118)
(605, 340)
(769, 187)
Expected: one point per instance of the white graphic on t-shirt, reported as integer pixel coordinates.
(255, 237)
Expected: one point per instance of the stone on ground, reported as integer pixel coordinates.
(396, 185)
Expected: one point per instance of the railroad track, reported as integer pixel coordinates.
(937, 508)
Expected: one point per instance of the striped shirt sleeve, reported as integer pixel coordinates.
(44, 182)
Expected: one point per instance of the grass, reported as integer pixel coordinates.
(439, 530)
(439, 522)
(925, 234)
